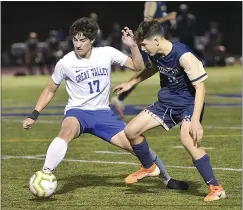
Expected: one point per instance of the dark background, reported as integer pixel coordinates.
(19, 18)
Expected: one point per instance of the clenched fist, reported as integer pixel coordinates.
(27, 123)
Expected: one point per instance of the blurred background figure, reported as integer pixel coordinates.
(114, 40)
(33, 56)
(114, 37)
(53, 51)
(60, 35)
(152, 11)
(157, 10)
(69, 45)
(186, 26)
(99, 38)
(215, 52)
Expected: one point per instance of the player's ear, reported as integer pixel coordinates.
(156, 39)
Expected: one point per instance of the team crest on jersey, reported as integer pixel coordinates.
(166, 70)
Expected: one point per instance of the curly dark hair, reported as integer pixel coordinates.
(84, 25)
(147, 29)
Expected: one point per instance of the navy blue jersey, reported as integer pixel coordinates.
(161, 11)
(176, 90)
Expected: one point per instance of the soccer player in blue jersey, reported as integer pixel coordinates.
(180, 100)
(153, 10)
(87, 73)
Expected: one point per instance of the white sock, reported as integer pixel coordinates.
(55, 154)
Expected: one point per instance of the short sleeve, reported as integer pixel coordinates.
(193, 68)
(59, 73)
(117, 57)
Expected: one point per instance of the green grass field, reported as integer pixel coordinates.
(89, 179)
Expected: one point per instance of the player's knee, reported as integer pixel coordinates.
(131, 133)
(186, 140)
(67, 134)
(185, 136)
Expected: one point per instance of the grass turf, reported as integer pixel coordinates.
(99, 185)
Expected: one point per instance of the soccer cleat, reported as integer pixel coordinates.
(119, 106)
(177, 185)
(216, 193)
(142, 173)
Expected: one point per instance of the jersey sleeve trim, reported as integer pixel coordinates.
(199, 79)
(55, 80)
(59, 73)
(193, 68)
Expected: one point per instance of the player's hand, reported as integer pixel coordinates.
(27, 123)
(196, 130)
(172, 15)
(127, 37)
(173, 24)
(122, 88)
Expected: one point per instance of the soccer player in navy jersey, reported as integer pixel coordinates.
(153, 10)
(180, 100)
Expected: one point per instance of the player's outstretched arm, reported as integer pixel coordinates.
(137, 78)
(168, 17)
(44, 99)
(141, 76)
(136, 61)
(46, 96)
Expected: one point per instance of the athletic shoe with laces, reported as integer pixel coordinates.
(215, 193)
(177, 185)
(142, 173)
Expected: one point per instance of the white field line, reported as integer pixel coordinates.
(4, 157)
(127, 153)
(181, 147)
(59, 121)
(40, 155)
(222, 127)
(115, 153)
(39, 121)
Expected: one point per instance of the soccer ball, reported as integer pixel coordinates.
(43, 185)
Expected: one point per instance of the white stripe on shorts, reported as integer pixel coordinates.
(158, 119)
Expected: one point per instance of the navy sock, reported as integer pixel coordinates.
(205, 169)
(142, 152)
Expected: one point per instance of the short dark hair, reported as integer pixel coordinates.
(84, 25)
(147, 29)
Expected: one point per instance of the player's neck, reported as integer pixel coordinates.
(165, 47)
(87, 55)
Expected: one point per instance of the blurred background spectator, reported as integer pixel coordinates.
(192, 22)
(215, 52)
(53, 51)
(114, 40)
(186, 26)
(33, 55)
(157, 10)
(99, 38)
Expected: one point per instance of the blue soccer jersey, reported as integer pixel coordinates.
(176, 87)
(177, 94)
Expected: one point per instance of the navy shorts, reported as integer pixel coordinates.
(101, 123)
(169, 117)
